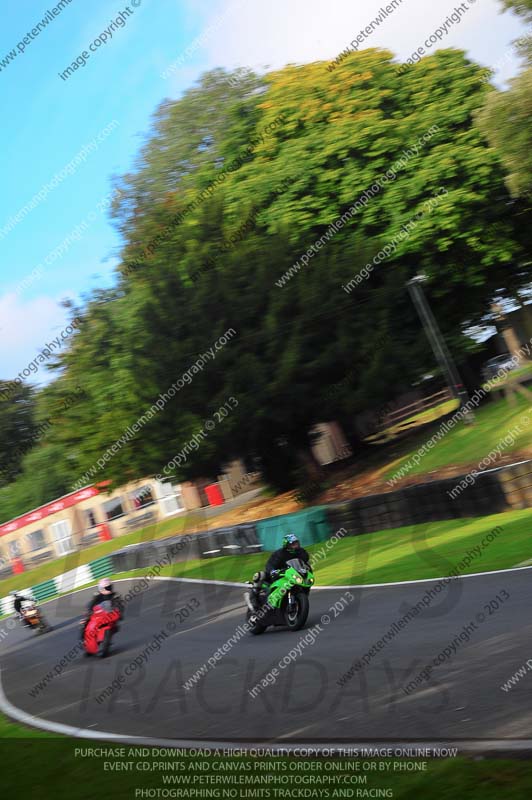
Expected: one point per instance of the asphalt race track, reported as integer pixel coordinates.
(461, 701)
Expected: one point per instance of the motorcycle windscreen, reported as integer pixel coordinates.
(106, 605)
(299, 565)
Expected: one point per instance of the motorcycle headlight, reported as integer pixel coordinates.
(311, 580)
(299, 579)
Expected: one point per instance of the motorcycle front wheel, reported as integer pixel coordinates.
(296, 612)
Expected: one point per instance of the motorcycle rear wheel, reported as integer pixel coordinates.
(43, 626)
(105, 644)
(255, 628)
(297, 619)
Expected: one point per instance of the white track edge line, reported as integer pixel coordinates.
(315, 588)
(519, 745)
(356, 585)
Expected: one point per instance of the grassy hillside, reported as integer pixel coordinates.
(469, 444)
(410, 553)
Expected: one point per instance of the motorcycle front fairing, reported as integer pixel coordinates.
(297, 576)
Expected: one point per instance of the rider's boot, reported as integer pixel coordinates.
(255, 588)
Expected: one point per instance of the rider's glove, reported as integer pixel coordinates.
(274, 572)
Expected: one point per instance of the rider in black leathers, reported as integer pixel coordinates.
(17, 605)
(278, 559)
(277, 562)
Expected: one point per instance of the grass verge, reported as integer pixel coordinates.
(42, 765)
(431, 550)
(421, 418)
(415, 552)
(515, 375)
(467, 444)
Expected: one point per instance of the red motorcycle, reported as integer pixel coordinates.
(99, 630)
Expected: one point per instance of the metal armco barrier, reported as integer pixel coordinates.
(135, 556)
(247, 538)
(232, 541)
(238, 540)
(179, 548)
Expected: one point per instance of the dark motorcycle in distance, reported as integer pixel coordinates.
(100, 628)
(33, 617)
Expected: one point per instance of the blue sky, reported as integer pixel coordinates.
(47, 121)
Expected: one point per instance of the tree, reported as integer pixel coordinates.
(17, 428)
(191, 271)
(505, 121)
(522, 7)
(338, 133)
(505, 117)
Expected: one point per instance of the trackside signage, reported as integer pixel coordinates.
(45, 511)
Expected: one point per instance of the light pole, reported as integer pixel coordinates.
(437, 342)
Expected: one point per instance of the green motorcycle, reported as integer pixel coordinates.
(282, 602)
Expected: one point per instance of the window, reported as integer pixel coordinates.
(90, 518)
(61, 533)
(113, 509)
(142, 497)
(36, 540)
(170, 498)
(14, 549)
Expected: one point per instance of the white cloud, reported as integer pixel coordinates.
(270, 35)
(25, 328)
